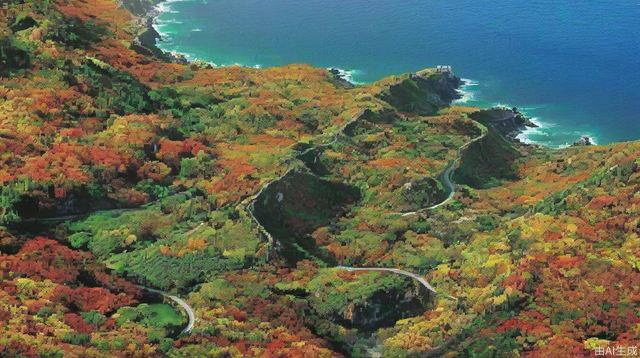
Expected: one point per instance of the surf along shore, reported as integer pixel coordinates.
(147, 12)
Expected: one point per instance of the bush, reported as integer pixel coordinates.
(94, 317)
(9, 197)
(79, 240)
(114, 92)
(14, 55)
(77, 339)
(199, 167)
(75, 33)
(487, 222)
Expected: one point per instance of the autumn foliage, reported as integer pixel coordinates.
(121, 170)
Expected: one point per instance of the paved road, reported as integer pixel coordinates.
(412, 275)
(451, 188)
(185, 306)
(446, 178)
(447, 182)
(250, 206)
(54, 219)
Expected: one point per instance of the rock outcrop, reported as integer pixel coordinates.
(292, 207)
(384, 307)
(423, 192)
(423, 93)
(583, 142)
(488, 161)
(509, 122)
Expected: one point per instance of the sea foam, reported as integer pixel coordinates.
(466, 91)
(346, 75)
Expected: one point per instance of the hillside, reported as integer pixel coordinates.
(243, 191)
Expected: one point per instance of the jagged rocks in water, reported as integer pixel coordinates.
(583, 141)
(341, 77)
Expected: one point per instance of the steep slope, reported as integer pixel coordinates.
(492, 159)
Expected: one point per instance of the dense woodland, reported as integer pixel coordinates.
(121, 170)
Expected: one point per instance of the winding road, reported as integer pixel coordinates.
(185, 306)
(451, 188)
(412, 275)
(180, 302)
(446, 178)
(251, 205)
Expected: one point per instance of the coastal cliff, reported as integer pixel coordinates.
(145, 12)
(422, 93)
(509, 122)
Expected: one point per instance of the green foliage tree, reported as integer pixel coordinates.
(74, 32)
(14, 55)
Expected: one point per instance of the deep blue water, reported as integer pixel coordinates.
(574, 65)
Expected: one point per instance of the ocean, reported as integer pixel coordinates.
(572, 66)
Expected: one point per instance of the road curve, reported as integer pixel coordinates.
(412, 275)
(185, 306)
(446, 178)
(249, 207)
(451, 188)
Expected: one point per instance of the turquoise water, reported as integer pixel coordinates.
(572, 65)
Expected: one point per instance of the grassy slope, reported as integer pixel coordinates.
(488, 162)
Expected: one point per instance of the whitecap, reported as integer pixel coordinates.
(466, 94)
(346, 75)
(526, 135)
(469, 82)
(539, 123)
(170, 21)
(501, 105)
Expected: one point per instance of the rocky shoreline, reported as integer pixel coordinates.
(146, 12)
(509, 122)
(146, 41)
